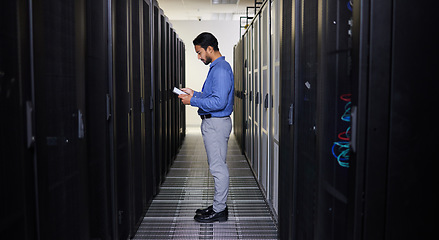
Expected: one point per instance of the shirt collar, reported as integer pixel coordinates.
(220, 59)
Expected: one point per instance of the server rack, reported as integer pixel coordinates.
(334, 105)
(393, 197)
(249, 80)
(257, 84)
(168, 93)
(305, 107)
(316, 89)
(17, 125)
(273, 194)
(347, 118)
(165, 88)
(182, 84)
(239, 94)
(158, 120)
(315, 71)
(173, 122)
(163, 83)
(83, 92)
(121, 115)
(257, 97)
(59, 73)
(287, 149)
(147, 101)
(265, 53)
(99, 122)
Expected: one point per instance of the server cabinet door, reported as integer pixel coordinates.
(256, 97)
(238, 108)
(394, 188)
(59, 60)
(98, 96)
(250, 92)
(122, 115)
(17, 183)
(265, 97)
(305, 118)
(178, 84)
(275, 93)
(168, 128)
(411, 184)
(148, 117)
(287, 150)
(172, 97)
(243, 97)
(182, 85)
(175, 83)
(158, 133)
(164, 114)
(136, 83)
(333, 119)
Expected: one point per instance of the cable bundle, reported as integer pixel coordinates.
(340, 149)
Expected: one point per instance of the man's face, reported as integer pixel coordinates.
(203, 55)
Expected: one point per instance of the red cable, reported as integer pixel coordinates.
(346, 97)
(343, 138)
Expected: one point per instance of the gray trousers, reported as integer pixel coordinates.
(216, 132)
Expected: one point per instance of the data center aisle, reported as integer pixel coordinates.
(189, 186)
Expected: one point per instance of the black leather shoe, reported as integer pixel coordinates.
(204, 210)
(212, 216)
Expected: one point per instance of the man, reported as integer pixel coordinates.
(215, 103)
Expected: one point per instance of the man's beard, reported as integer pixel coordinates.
(207, 61)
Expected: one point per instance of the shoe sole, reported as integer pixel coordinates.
(222, 219)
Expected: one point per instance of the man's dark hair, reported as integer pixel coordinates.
(205, 40)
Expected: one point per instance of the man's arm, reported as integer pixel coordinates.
(217, 101)
(185, 98)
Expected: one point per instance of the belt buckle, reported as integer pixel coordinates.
(206, 116)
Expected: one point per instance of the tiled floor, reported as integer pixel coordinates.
(189, 186)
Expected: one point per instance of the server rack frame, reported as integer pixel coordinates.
(287, 137)
(135, 121)
(148, 98)
(99, 121)
(273, 195)
(265, 97)
(121, 115)
(164, 117)
(157, 97)
(59, 118)
(392, 197)
(334, 87)
(18, 153)
(90, 117)
(255, 98)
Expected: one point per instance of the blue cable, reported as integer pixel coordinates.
(347, 113)
(343, 146)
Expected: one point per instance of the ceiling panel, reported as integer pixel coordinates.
(204, 9)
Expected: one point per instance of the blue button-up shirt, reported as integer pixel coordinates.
(217, 94)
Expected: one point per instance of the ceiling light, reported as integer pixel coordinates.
(224, 1)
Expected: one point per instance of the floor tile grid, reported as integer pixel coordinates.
(189, 186)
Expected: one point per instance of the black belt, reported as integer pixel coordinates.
(206, 116)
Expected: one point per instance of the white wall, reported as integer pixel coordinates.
(227, 33)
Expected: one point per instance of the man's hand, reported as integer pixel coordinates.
(186, 98)
(188, 90)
